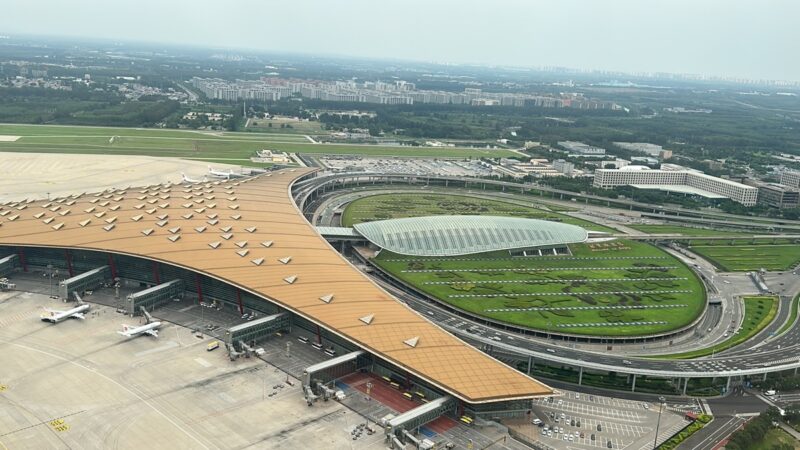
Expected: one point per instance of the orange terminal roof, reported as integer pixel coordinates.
(238, 231)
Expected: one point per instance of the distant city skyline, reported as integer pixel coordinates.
(731, 39)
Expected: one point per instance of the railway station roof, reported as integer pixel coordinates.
(463, 235)
(250, 234)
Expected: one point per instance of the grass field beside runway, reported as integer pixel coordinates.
(741, 255)
(199, 144)
(390, 206)
(626, 288)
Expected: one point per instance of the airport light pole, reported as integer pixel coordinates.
(661, 401)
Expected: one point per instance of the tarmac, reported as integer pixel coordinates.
(78, 384)
(37, 175)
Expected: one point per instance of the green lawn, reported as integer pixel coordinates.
(388, 206)
(738, 257)
(776, 438)
(564, 290)
(687, 231)
(198, 144)
(758, 313)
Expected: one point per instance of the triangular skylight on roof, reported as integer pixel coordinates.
(327, 298)
(147, 231)
(367, 319)
(412, 342)
(290, 279)
(257, 261)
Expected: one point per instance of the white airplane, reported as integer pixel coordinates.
(55, 316)
(150, 327)
(225, 175)
(191, 180)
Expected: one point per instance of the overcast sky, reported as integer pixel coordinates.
(752, 39)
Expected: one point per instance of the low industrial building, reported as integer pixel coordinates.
(580, 149)
(684, 181)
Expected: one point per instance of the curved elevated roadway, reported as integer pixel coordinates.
(756, 357)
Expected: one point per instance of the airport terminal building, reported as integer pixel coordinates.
(245, 244)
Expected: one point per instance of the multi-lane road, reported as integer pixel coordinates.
(758, 356)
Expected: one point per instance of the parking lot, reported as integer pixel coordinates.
(578, 420)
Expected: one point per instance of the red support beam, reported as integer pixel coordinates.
(239, 300)
(156, 275)
(199, 288)
(68, 257)
(21, 253)
(113, 267)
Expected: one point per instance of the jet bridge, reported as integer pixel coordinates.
(155, 296)
(256, 330)
(401, 426)
(335, 368)
(7, 265)
(85, 281)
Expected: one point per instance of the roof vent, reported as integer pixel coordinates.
(163, 205)
(109, 227)
(111, 219)
(243, 252)
(147, 232)
(236, 216)
(174, 237)
(327, 298)
(115, 207)
(290, 279)
(64, 212)
(226, 236)
(233, 199)
(212, 222)
(200, 210)
(188, 205)
(162, 217)
(161, 223)
(241, 244)
(367, 319)
(137, 218)
(187, 216)
(150, 211)
(139, 206)
(200, 229)
(100, 214)
(412, 342)
(83, 223)
(258, 261)
(267, 244)
(38, 215)
(233, 206)
(48, 220)
(250, 229)
(226, 229)
(285, 260)
(58, 226)
(215, 244)
(174, 230)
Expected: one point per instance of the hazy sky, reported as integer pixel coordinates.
(753, 39)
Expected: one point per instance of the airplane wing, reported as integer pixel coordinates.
(79, 316)
(153, 333)
(124, 333)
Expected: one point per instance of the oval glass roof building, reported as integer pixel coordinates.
(464, 235)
